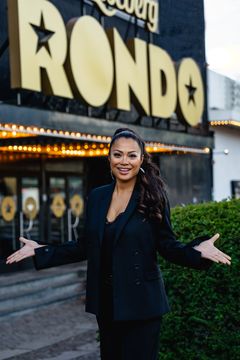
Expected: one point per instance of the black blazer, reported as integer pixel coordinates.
(138, 287)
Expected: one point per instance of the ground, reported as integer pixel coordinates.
(61, 331)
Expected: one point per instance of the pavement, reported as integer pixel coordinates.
(61, 331)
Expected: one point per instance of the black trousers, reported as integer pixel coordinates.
(129, 340)
(125, 340)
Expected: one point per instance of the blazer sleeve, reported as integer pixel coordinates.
(176, 252)
(55, 255)
(62, 254)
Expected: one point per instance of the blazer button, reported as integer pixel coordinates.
(136, 266)
(137, 282)
(136, 252)
(46, 250)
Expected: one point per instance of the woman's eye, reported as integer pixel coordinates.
(117, 155)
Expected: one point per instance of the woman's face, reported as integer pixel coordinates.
(125, 159)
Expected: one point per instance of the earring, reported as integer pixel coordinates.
(142, 170)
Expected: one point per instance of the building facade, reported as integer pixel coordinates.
(71, 73)
(224, 117)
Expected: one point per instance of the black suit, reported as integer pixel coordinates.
(138, 288)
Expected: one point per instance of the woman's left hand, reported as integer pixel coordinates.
(209, 251)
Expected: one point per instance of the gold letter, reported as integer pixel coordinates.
(190, 93)
(129, 6)
(163, 82)
(91, 61)
(130, 74)
(152, 22)
(38, 47)
(141, 9)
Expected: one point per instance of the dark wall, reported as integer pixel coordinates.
(182, 29)
(188, 177)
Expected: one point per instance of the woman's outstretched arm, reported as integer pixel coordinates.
(211, 252)
(28, 250)
(198, 254)
(45, 256)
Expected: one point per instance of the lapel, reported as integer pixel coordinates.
(103, 207)
(103, 210)
(132, 204)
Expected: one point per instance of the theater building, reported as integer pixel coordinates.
(71, 72)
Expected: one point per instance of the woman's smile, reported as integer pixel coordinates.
(123, 171)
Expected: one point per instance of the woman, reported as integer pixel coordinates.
(127, 224)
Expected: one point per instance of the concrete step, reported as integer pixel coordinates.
(30, 286)
(30, 289)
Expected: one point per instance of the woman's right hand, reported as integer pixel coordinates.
(26, 251)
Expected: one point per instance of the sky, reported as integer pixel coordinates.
(222, 21)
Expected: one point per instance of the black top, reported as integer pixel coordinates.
(106, 304)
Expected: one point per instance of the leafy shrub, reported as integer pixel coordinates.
(204, 323)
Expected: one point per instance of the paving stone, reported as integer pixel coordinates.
(62, 331)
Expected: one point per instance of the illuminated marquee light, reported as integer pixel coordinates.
(96, 66)
(12, 134)
(97, 144)
(158, 147)
(58, 150)
(13, 130)
(92, 150)
(99, 141)
(7, 132)
(225, 122)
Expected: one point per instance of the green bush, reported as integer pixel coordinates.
(204, 322)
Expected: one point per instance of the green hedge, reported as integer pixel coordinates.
(204, 322)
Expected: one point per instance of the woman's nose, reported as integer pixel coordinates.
(124, 159)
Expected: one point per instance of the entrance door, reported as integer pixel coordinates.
(54, 217)
(64, 208)
(19, 216)
(8, 215)
(29, 215)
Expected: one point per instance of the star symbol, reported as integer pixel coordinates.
(43, 35)
(191, 91)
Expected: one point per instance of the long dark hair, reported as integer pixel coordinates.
(152, 196)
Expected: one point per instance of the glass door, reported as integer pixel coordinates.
(65, 208)
(75, 207)
(8, 215)
(30, 208)
(57, 215)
